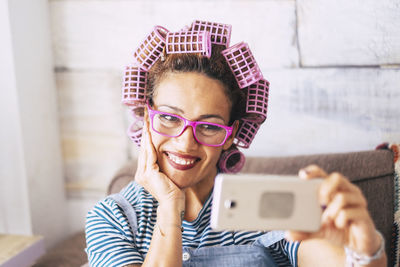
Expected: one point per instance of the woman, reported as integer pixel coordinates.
(192, 112)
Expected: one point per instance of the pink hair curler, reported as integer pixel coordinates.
(257, 101)
(135, 131)
(246, 133)
(220, 33)
(134, 86)
(243, 64)
(231, 161)
(189, 42)
(150, 50)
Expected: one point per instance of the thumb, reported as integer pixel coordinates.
(312, 171)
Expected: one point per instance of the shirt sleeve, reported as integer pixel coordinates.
(284, 252)
(109, 238)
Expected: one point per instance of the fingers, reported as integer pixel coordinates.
(333, 184)
(345, 219)
(347, 216)
(150, 150)
(147, 155)
(142, 158)
(341, 201)
(338, 194)
(344, 201)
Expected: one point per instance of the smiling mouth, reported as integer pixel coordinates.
(181, 162)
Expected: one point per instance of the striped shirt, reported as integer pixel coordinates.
(110, 241)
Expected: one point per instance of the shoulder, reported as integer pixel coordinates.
(136, 195)
(109, 209)
(107, 215)
(108, 232)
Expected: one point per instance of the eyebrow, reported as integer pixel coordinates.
(202, 117)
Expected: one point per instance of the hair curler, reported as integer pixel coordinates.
(135, 130)
(246, 133)
(243, 64)
(134, 86)
(188, 42)
(231, 161)
(150, 50)
(257, 101)
(220, 33)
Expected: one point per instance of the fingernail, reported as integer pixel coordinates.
(303, 173)
(323, 207)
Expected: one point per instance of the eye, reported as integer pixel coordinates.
(210, 128)
(168, 118)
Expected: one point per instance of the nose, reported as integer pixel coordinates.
(187, 139)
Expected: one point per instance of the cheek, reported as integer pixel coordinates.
(214, 154)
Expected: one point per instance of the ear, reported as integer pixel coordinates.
(229, 141)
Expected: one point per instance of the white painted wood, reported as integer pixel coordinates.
(34, 168)
(349, 32)
(92, 128)
(329, 110)
(15, 216)
(104, 33)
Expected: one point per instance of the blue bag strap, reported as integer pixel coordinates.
(270, 238)
(128, 210)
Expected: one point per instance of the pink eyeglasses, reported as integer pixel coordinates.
(172, 125)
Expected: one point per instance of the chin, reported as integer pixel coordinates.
(181, 178)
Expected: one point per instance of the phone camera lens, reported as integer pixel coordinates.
(230, 204)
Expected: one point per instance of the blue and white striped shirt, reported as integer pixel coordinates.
(110, 241)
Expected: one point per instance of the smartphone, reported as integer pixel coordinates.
(265, 202)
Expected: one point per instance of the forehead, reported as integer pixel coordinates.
(194, 93)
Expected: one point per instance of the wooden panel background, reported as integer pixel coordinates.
(329, 92)
(349, 32)
(330, 110)
(103, 33)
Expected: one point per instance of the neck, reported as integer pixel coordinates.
(196, 196)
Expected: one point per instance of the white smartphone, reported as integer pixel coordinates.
(265, 202)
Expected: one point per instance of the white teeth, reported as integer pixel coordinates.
(180, 161)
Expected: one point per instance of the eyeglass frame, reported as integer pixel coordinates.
(193, 124)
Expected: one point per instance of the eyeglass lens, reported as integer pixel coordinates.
(173, 126)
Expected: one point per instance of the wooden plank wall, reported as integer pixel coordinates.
(333, 67)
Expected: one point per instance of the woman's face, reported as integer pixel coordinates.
(195, 97)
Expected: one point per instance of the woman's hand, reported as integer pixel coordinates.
(345, 220)
(166, 242)
(148, 173)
